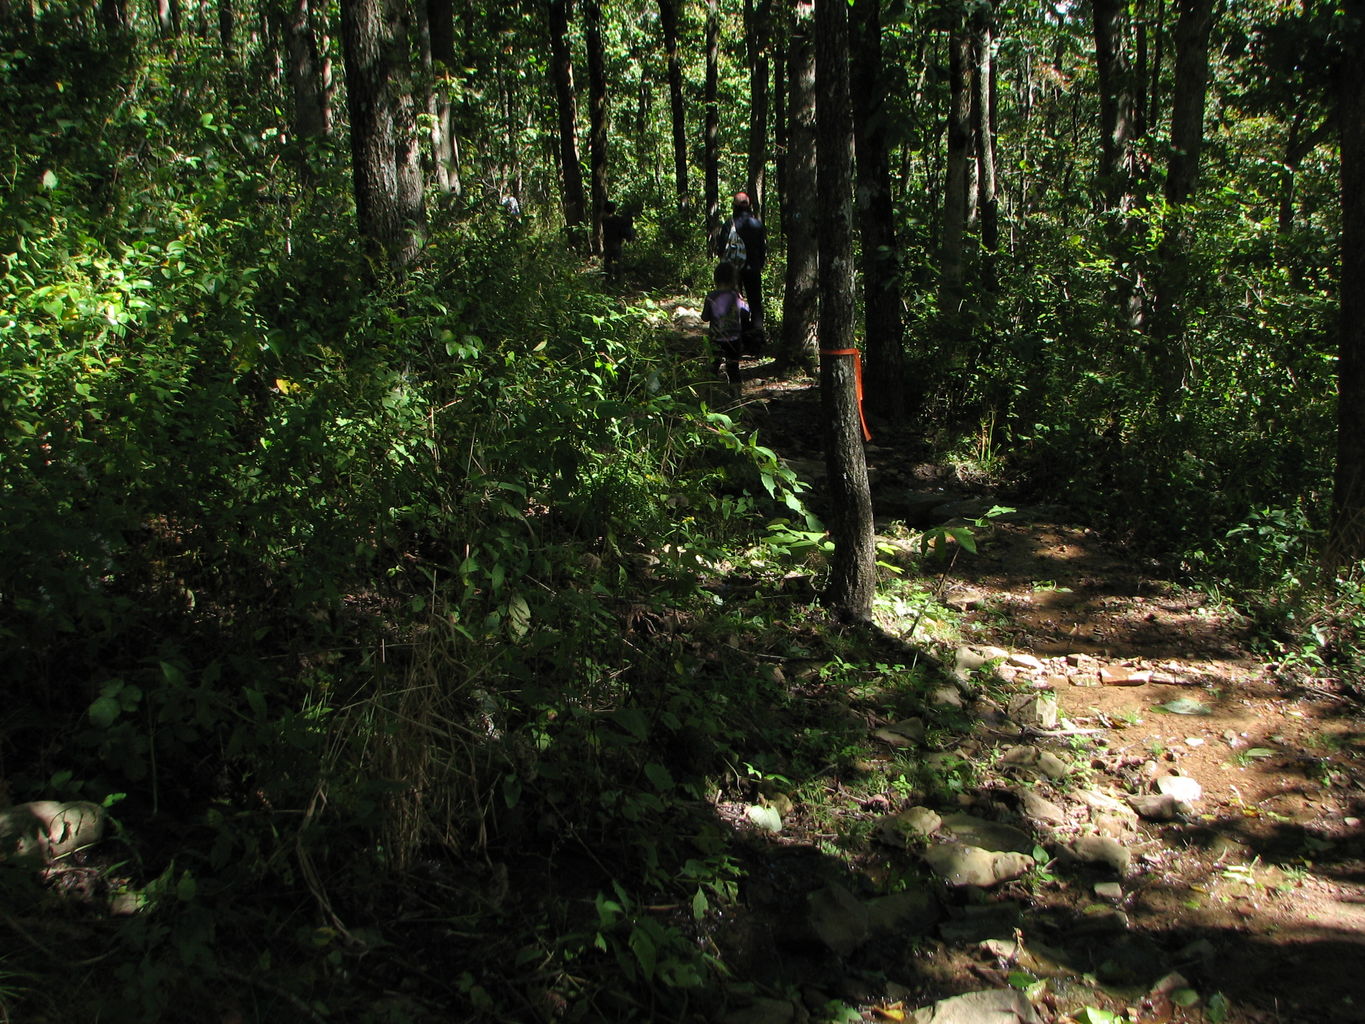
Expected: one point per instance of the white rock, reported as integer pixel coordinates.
(1182, 787)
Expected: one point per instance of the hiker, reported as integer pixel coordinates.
(727, 313)
(617, 229)
(742, 241)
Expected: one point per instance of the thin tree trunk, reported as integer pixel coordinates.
(566, 105)
(755, 42)
(885, 336)
(780, 137)
(1347, 540)
(597, 115)
(801, 295)
(954, 230)
(711, 156)
(384, 153)
(853, 581)
(983, 82)
(668, 17)
(1118, 152)
(438, 60)
(226, 23)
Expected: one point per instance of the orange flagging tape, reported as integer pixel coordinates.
(857, 381)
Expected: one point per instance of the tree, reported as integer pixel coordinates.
(597, 115)
(983, 106)
(668, 19)
(710, 154)
(953, 236)
(303, 70)
(884, 332)
(756, 49)
(801, 295)
(385, 167)
(566, 106)
(1347, 542)
(853, 575)
(437, 19)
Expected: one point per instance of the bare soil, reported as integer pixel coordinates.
(1259, 892)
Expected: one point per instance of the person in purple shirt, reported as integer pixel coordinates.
(728, 314)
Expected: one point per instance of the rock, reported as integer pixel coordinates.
(994, 1006)
(994, 836)
(911, 824)
(1036, 710)
(1102, 850)
(978, 922)
(1160, 807)
(1111, 891)
(839, 918)
(1040, 809)
(913, 912)
(1101, 803)
(1025, 661)
(1035, 760)
(960, 865)
(946, 697)
(1119, 675)
(46, 830)
(968, 659)
(1181, 787)
(908, 732)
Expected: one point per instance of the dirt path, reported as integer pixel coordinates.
(1255, 887)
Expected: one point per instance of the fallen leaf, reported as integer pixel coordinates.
(1185, 706)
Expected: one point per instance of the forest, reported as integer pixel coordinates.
(403, 621)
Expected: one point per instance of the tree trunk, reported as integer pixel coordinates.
(1169, 351)
(303, 72)
(1347, 541)
(853, 580)
(983, 79)
(226, 24)
(780, 137)
(954, 232)
(711, 156)
(885, 335)
(1118, 150)
(755, 43)
(668, 17)
(384, 153)
(801, 296)
(597, 115)
(566, 105)
(437, 18)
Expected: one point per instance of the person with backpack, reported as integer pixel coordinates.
(743, 243)
(727, 313)
(617, 229)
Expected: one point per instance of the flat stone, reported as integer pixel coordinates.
(1025, 661)
(1038, 710)
(1118, 675)
(993, 1006)
(1043, 810)
(1181, 787)
(960, 865)
(46, 830)
(1033, 759)
(1160, 807)
(913, 912)
(1103, 850)
(994, 836)
(839, 918)
(1111, 891)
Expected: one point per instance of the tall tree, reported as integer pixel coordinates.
(303, 70)
(385, 163)
(710, 154)
(853, 576)
(437, 20)
(884, 333)
(668, 19)
(1347, 541)
(983, 106)
(597, 114)
(953, 236)
(756, 49)
(801, 295)
(566, 106)
(1169, 276)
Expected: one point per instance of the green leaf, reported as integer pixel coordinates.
(1260, 752)
(518, 617)
(1185, 997)
(700, 905)
(49, 180)
(1218, 1008)
(186, 888)
(103, 711)
(659, 776)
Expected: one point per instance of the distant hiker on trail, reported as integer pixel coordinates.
(617, 229)
(742, 242)
(727, 313)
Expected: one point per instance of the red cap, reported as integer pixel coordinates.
(742, 197)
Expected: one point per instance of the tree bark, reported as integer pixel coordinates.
(597, 115)
(303, 71)
(801, 295)
(668, 17)
(566, 106)
(438, 61)
(711, 156)
(953, 234)
(755, 43)
(384, 154)
(852, 582)
(983, 82)
(884, 332)
(1347, 540)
